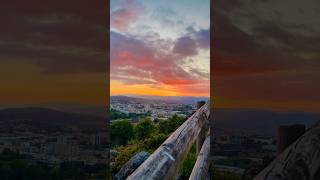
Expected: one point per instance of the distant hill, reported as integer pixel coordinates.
(86, 109)
(158, 99)
(49, 119)
(258, 121)
(127, 99)
(91, 110)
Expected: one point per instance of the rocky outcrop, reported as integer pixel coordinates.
(131, 165)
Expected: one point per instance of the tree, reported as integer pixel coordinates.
(125, 154)
(164, 126)
(170, 125)
(175, 121)
(121, 132)
(154, 141)
(144, 128)
(118, 115)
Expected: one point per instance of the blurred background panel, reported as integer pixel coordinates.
(53, 96)
(265, 75)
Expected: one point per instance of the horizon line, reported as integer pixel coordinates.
(157, 95)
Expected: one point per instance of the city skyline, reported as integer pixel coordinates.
(160, 48)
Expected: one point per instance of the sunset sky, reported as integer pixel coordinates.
(160, 47)
(267, 54)
(53, 51)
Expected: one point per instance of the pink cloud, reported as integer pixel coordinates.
(142, 63)
(129, 11)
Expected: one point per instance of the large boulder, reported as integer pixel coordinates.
(132, 165)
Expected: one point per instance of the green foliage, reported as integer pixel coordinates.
(154, 141)
(164, 126)
(115, 115)
(188, 163)
(148, 137)
(135, 146)
(121, 132)
(118, 115)
(144, 129)
(125, 154)
(176, 121)
(15, 166)
(55, 173)
(170, 125)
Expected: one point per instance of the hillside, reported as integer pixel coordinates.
(258, 121)
(49, 119)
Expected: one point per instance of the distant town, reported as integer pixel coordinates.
(234, 154)
(46, 138)
(155, 110)
(55, 149)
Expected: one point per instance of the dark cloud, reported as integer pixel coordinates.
(236, 51)
(185, 46)
(277, 87)
(189, 44)
(59, 36)
(229, 5)
(266, 50)
(203, 38)
(91, 11)
(263, 46)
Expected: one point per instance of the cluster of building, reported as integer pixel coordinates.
(54, 149)
(131, 108)
(234, 153)
(257, 146)
(258, 150)
(154, 111)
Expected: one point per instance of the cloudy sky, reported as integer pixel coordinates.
(267, 54)
(53, 51)
(160, 47)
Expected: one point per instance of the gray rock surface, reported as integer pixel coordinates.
(132, 165)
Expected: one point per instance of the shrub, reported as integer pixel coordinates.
(144, 129)
(121, 132)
